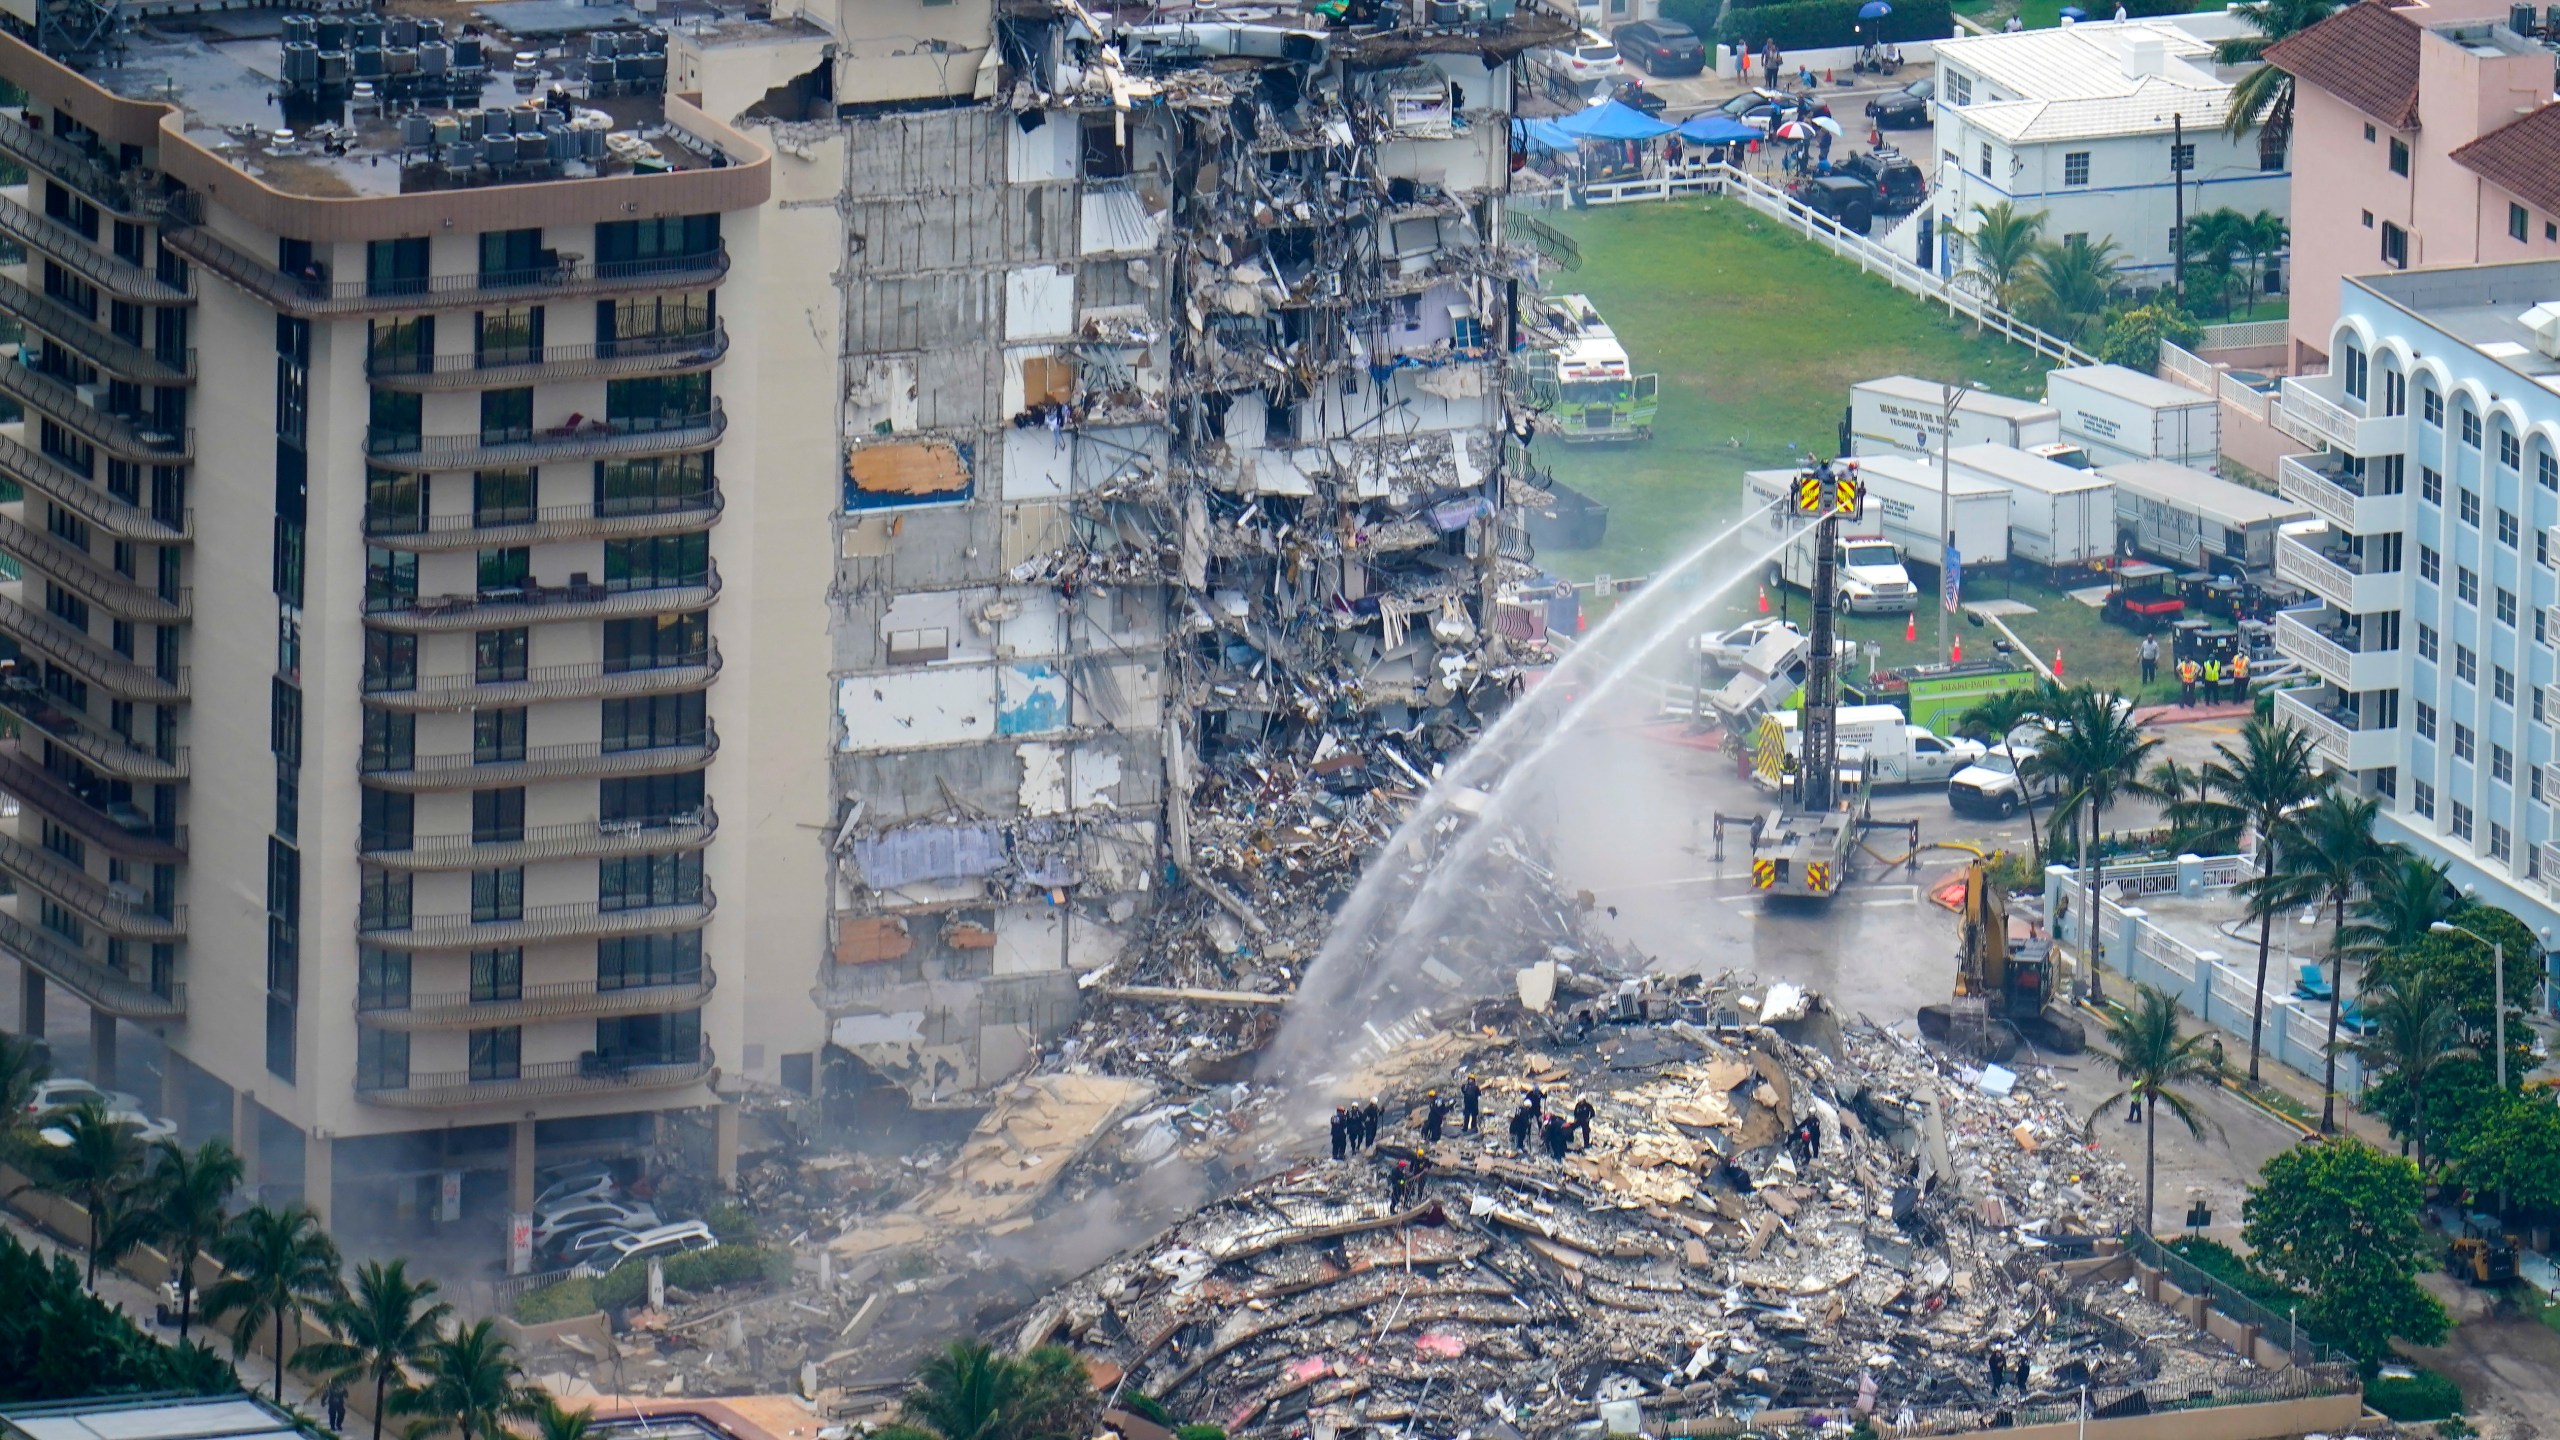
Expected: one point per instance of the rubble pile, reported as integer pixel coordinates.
(1775, 1212)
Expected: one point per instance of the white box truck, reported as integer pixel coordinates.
(1903, 502)
(2121, 414)
(1899, 415)
(1882, 742)
(2192, 520)
(2059, 517)
(1868, 568)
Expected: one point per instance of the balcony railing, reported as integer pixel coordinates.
(535, 604)
(119, 828)
(575, 840)
(314, 293)
(73, 649)
(567, 1000)
(41, 711)
(2339, 497)
(119, 435)
(2317, 410)
(78, 493)
(74, 331)
(527, 365)
(588, 1074)
(90, 898)
(108, 271)
(80, 572)
(102, 988)
(586, 440)
(2305, 557)
(543, 762)
(467, 690)
(2326, 641)
(84, 170)
(611, 520)
(2334, 729)
(582, 920)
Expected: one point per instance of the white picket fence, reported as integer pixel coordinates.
(1869, 255)
(2250, 335)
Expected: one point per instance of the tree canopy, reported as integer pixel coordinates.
(2338, 1221)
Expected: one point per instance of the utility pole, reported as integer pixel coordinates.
(2178, 183)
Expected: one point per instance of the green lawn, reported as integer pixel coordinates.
(1758, 337)
(2042, 14)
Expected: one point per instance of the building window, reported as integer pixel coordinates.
(653, 722)
(2466, 664)
(2426, 721)
(2508, 530)
(2502, 765)
(2182, 158)
(2500, 846)
(640, 882)
(650, 1039)
(382, 979)
(2430, 566)
(2546, 470)
(382, 900)
(2368, 219)
(497, 736)
(2430, 481)
(2468, 502)
(2422, 798)
(2461, 821)
(497, 975)
(500, 655)
(649, 800)
(2465, 744)
(2355, 372)
(2271, 152)
(390, 661)
(497, 816)
(2466, 584)
(382, 1059)
(1984, 167)
(657, 562)
(2395, 246)
(2075, 168)
(2502, 684)
(2431, 404)
(497, 1054)
(2399, 152)
(386, 819)
(2426, 641)
(2510, 449)
(1959, 88)
(2471, 437)
(655, 642)
(2518, 223)
(637, 960)
(2506, 599)
(497, 895)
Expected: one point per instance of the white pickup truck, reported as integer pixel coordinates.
(1886, 748)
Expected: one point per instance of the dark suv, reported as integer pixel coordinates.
(1662, 47)
(1898, 183)
(1850, 201)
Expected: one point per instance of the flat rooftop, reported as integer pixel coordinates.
(420, 95)
(125, 1417)
(2484, 307)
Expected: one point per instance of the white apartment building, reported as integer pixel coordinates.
(571, 565)
(2101, 127)
(2438, 492)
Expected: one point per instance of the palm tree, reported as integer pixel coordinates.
(2154, 1060)
(1991, 721)
(2196, 826)
(190, 1201)
(95, 1167)
(2266, 234)
(966, 1391)
(2417, 1033)
(2264, 96)
(384, 1326)
(2322, 854)
(2211, 242)
(473, 1386)
(554, 1422)
(2272, 771)
(2098, 752)
(2403, 898)
(280, 1265)
(2071, 285)
(2002, 247)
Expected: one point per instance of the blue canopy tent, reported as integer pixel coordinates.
(1544, 135)
(1612, 120)
(1714, 129)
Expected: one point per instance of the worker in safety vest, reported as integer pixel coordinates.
(2189, 672)
(2213, 680)
(2240, 675)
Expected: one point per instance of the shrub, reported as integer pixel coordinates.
(1200, 1432)
(567, 1300)
(1814, 24)
(2425, 1395)
(730, 1221)
(1145, 1407)
(2224, 1264)
(693, 1270)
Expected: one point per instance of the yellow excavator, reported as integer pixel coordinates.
(2004, 983)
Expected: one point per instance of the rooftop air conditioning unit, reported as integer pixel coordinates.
(2544, 321)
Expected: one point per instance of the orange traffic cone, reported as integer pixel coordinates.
(1581, 622)
(1827, 76)
(1911, 627)
(1764, 599)
(2057, 662)
(1957, 658)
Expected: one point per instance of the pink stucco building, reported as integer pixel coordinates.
(2423, 137)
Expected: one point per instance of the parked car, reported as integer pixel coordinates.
(69, 1092)
(652, 1244)
(1724, 649)
(1898, 183)
(1990, 786)
(588, 1179)
(549, 1226)
(1661, 47)
(1906, 108)
(1769, 109)
(1586, 59)
(1844, 198)
(580, 1246)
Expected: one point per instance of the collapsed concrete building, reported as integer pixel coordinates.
(1177, 455)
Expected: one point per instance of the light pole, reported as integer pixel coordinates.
(1956, 396)
(2498, 954)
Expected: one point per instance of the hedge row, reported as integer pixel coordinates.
(2425, 1395)
(1821, 24)
(629, 1285)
